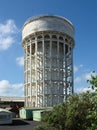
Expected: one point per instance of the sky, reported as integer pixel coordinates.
(14, 13)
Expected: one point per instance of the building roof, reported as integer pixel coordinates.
(4, 110)
(11, 99)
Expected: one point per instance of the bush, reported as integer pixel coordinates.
(41, 128)
(45, 128)
(79, 112)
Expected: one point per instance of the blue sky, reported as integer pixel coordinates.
(14, 13)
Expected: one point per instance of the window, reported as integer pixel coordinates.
(54, 37)
(33, 38)
(66, 49)
(66, 40)
(60, 38)
(39, 37)
(47, 36)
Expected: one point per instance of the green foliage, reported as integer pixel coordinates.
(93, 81)
(92, 114)
(77, 109)
(79, 112)
(40, 128)
(47, 127)
(57, 116)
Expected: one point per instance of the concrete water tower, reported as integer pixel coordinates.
(48, 43)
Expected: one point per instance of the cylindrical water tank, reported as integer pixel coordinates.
(48, 43)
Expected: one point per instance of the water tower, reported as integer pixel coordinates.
(48, 43)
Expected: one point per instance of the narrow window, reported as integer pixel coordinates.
(66, 49)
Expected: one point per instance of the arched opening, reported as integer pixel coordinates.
(60, 38)
(39, 37)
(54, 37)
(47, 36)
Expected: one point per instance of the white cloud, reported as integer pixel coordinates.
(7, 34)
(77, 79)
(83, 89)
(87, 76)
(8, 89)
(80, 79)
(81, 84)
(84, 77)
(20, 61)
(75, 69)
(6, 42)
(81, 65)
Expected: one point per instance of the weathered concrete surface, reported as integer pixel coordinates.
(47, 23)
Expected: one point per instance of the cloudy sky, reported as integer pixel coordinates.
(14, 13)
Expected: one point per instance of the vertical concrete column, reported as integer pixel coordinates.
(30, 71)
(36, 70)
(43, 95)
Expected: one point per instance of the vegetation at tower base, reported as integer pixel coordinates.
(78, 113)
(92, 115)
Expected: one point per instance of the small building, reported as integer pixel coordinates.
(26, 113)
(33, 113)
(37, 115)
(7, 102)
(5, 116)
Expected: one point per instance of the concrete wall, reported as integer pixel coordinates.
(47, 23)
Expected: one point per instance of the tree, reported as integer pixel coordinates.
(71, 115)
(79, 112)
(56, 118)
(92, 115)
(93, 81)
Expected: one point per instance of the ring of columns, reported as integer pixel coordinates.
(48, 68)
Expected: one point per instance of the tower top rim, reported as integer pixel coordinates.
(34, 18)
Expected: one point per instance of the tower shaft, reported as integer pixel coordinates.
(48, 62)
